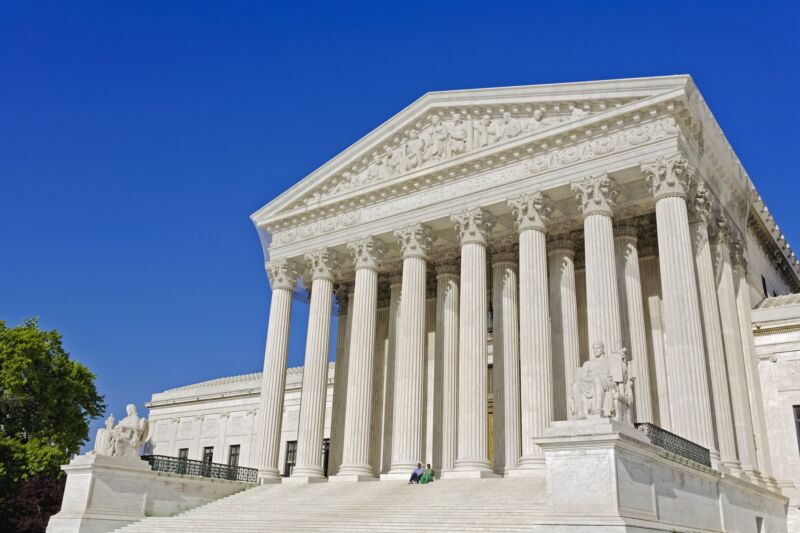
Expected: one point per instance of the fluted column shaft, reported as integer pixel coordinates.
(651, 288)
(718, 372)
(447, 319)
(507, 433)
(602, 297)
(690, 403)
(531, 212)
(473, 226)
(751, 372)
(564, 321)
(409, 388)
(315, 369)
(356, 458)
(732, 339)
(395, 285)
(379, 385)
(632, 312)
(282, 277)
(344, 297)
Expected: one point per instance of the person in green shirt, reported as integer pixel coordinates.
(427, 475)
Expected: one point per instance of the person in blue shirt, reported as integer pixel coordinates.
(416, 474)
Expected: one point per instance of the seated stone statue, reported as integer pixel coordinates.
(124, 439)
(602, 387)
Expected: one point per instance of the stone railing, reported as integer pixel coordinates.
(675, 444)
(177, 465)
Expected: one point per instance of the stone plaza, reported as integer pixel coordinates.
(547, 293)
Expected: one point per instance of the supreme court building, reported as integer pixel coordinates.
(478, 248)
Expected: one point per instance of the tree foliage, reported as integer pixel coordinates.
(46, 403)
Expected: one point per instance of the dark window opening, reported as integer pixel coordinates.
(233, 455)
(326, 450)
(183, 453)
(797, 423)
(764, 285)
(208, 454)
(291, 457)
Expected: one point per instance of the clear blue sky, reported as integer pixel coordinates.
(137, 137)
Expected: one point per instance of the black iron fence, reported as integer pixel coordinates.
(675, 444)
(177, 465)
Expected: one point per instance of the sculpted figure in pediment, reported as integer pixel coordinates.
(457, 143)
(481, 128)
(374, 170)
(537, 121)
(395, 160)
(436, 145)
(414, 148)
(507, 127)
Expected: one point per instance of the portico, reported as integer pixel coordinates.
(516, 227)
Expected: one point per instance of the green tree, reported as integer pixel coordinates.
(46, 403)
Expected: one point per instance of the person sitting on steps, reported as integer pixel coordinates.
(416, 474)
(427, 475)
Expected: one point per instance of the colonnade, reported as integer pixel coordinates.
(682, 316)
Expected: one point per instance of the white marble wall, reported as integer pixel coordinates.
(222, 413)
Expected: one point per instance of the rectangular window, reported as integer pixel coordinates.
(291, 455)
(208, 454)
(764, 285)
(183, 453)
(233, 455)
(797, 423)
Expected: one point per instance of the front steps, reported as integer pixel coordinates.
(445, 505)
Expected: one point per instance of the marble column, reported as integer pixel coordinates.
(595, 195)
(668, 178)
(732, 340)
(447, 317)
(505, 332)
(564, 321)
(395, 286)
(531, 212)
(409, 384)
(344, 295)
(282, 277)
(367, 253)
(473, 226)
(631, 305)
(651, 289)
(379, 382)
(322, 263)
(751, 366)
(725, 450)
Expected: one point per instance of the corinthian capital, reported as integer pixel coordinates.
(596, 195)
(415, 240)
(282, 274)
(531, 210)
(668, 176)
(700, 204)
(322, 263)
(473, 225)
(367, 252)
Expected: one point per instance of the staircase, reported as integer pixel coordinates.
(510, 504)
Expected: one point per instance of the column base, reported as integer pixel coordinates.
(470, 474)
(304, 479)
(351, 478)
(266, 477)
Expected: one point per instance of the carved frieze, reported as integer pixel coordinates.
(544, 158)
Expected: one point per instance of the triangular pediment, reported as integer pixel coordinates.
(447, 126)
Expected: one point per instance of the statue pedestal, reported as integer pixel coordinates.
(102, 494)
(607, 475)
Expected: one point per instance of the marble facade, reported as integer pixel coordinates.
(612, 212)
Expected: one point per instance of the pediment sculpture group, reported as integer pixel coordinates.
(602, 387)
(124, 439)
(441, 140)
